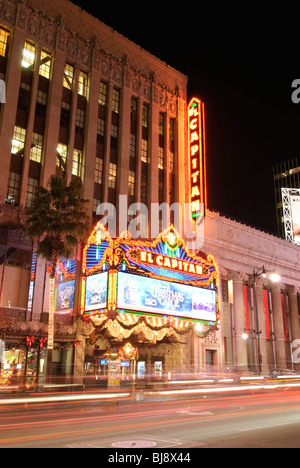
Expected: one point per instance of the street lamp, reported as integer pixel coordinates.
(275, 278)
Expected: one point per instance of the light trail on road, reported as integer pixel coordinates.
(199, 417)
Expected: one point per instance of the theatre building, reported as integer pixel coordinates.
(141, 302)
(82, 101)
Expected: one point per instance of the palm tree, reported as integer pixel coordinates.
(58, 221)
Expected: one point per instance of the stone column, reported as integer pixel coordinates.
(84, 330)
(262, 324)
(278, 327)
(294, 318)
(241, 357)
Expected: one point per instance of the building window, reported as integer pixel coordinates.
(160, 158)
(103, 94)
(65, 114)
(24, 97)
(99, 171)
(112, 178)
(62, 155)
(116, 101)
(77, 164)
(131, 184)
(161, 124)
(96, 203)
(145, 116)
(132, 147)
(171, 161)
(133, 108)
(68, 76)
(31, 191)
(36, 148)
(114, 131)
(4, 35)
(80, 118)
(14, 183)
(45, 65)
(101, 127)
(144, 151)
(83, 84)
(29, 52)
(18, 142)
(41, 104)
(114, 136)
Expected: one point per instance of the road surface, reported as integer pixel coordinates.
(265, 420)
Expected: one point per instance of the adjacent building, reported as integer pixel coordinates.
(286, 176)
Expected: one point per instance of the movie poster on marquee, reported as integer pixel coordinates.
(138, 293)
(65, 297)
(96, 292)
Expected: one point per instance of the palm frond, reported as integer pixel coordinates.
(58, 218)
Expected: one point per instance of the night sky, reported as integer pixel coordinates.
(241, 63)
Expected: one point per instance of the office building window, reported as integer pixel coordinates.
(28, 58)
(161, 158)
(161, 124)
(99, 171)
(62, 155)
(45, 65)
(144, 151)
(41, 104)
(18, 142)
(101, 127)
(131, 184)
(132, 147)
(13, 192)
(145, 116)
(77, 164)
(103, 94)
(83, 84)
(68, 76)
(133, 107)
(116, 101)
(65, 114)
(36, 148)
(96, 203)
(4, 35)
(31, 191)
(24, 97)
(114, 136)
(80, 118)
(112, 178)
(114, 131)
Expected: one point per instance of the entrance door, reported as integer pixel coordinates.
(210, 356)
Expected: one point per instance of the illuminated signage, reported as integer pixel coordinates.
(159, 277)
(96, 292)
(291, 211)
(169, 262)
(168, 257)
(65, 297)
(138, 293)
(196, 160)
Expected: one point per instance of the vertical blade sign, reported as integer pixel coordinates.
(197, 187)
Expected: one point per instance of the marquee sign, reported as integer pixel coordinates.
(167, 258)
(197, 160)
(159, 277)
